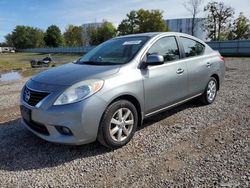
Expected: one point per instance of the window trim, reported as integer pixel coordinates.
(183, 50)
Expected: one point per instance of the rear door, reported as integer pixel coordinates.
(167, 83)
(198, 65)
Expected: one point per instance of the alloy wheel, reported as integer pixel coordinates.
(211, 90)
(121, 124)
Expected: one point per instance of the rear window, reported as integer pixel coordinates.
(192, 47)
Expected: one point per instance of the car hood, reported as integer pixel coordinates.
(71, 73)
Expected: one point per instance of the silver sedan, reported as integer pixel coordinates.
(107, 93)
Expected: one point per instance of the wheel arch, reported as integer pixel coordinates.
(217, 79)
(134, 101)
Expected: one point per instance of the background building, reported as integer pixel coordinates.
(184, 25)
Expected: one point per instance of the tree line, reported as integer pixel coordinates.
(219, 25)
(136, 22)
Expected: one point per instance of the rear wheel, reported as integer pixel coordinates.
(210, 92)
(118, 124)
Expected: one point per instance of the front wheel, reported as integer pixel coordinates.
(210, 92)
(118, 124)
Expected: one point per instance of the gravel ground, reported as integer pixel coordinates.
(9, 99)
(189, 146)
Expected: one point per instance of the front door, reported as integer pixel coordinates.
(164, 84)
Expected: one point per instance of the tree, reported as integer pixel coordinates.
(73, 36)
(241, 28)
(218, 20)
(193, 7)
(142, 21)
(129, 25)
(4, 44)
(37, 38)
(53, 36)
(25, 37)
(8, 40)
(103, 33)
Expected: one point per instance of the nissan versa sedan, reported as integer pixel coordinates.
(107, 93)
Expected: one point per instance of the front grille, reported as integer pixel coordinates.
(33, 97)
(40, 128)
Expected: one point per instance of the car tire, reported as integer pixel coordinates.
(210, 92)
(118, 124)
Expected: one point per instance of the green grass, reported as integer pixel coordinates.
(21, 61)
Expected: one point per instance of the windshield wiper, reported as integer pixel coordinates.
(97, 63)
(89, 62)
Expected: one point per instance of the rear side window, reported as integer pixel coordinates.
(192, 47)
(167, 47)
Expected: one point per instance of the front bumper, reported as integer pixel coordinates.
(82, 118)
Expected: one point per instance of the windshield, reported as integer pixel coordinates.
(115, 51)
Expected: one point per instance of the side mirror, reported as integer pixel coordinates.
(155, 60)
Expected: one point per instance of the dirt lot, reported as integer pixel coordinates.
(191, 145)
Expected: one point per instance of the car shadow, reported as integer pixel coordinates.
(21, 150)
(167, 113)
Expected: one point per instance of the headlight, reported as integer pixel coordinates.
(79, 91)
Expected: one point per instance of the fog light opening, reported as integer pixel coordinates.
(64, 130)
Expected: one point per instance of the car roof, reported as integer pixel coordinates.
(150, 34)
(154, 34)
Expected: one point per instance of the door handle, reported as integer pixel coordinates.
(179, 71)
(208, 64)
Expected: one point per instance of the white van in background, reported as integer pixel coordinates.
(7, 50)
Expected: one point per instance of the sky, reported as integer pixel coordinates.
(43, 13)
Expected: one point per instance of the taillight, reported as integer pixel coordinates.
(222, 58)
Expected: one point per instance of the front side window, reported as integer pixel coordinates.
(167, 47)
(115, 51)
(192, 47)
